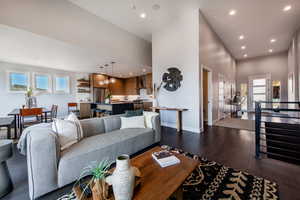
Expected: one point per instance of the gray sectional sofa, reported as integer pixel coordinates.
(50, 169)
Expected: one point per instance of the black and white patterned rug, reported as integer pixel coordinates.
(213, 181)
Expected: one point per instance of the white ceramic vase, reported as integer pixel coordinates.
(122, 179)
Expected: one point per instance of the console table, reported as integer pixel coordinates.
(178, 115)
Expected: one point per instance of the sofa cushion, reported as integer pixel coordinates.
(133, 122)
(99, 147)
(91, 127)
(112, 123)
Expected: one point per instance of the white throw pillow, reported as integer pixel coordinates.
(67, 132)
(148, 118)
(73, 117)
(133, 122)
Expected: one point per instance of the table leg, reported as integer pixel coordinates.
(16, 128)
(46, 117)
(179, 121)
(9, 132)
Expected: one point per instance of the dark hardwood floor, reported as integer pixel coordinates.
(231, 147)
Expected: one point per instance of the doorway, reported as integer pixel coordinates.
(206, 96)
(221, 98)
(259, 90)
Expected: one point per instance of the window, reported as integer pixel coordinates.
(18, 81)
(42, 82)
(62, 84)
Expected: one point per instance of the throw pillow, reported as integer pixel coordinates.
(148, 118)
(72, 117)
(67, 132)
(133, 122)
(133, 113)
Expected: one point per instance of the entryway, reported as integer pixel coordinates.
(206, 96)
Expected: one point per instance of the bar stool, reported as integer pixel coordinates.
(6, 152)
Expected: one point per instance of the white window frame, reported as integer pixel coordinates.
(268, 85)
(34, 74)
(8, 86)
(67, 91)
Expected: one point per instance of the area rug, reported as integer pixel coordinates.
(243, 124)
(213, 181)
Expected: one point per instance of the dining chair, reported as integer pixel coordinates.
(53, 113)
(73, 107)
(30, 116)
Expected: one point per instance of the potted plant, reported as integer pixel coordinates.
(30, 99)
(108, 98)
(98, 172)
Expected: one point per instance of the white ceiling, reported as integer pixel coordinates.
(69, 35)
(58, 34)
(257, 20)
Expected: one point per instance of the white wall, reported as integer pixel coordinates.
(72, 29)
(276, 65)
(213, 54)
(177, 45)
(9, 101)
(293, 66)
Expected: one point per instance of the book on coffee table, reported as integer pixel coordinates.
(165, 158)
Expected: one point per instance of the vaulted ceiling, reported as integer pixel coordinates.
(70, 35)
(257, 20)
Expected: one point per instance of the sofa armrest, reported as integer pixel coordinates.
(157, 127)
(42, 161)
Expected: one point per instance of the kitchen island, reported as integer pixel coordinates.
(114, 108)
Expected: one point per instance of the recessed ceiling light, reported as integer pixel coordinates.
(270, 50)
(143, 15)
(287, 8)
(232, 12)
(273, 40)
(242, 37)
(245, 55)
(144, 70)
(243, 47)
(156, 7)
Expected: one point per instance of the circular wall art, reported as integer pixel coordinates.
(172, 79)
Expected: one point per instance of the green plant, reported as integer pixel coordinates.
(98, 171)
(29, 92)
(108, 96)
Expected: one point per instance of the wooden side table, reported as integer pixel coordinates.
(178, 115)
(7, 122)
(6, 152)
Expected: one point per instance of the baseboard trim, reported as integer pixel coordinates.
(185, 128)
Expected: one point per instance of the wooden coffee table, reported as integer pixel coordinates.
(160, 183)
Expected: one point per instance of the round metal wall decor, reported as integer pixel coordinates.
(172, 79)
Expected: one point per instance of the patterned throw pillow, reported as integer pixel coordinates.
(148, 118)
(67, 132)
(73, 117)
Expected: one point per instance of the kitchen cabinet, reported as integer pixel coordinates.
(126, 86)
(96, 78)
(130, 85)
(149, 86)
(118, 87)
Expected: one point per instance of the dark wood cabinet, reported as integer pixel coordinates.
(96, 80)
(130, 85)
(118, 87)
(126, 86)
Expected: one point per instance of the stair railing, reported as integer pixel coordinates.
(270, 113)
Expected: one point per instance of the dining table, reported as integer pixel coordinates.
(17, 119)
